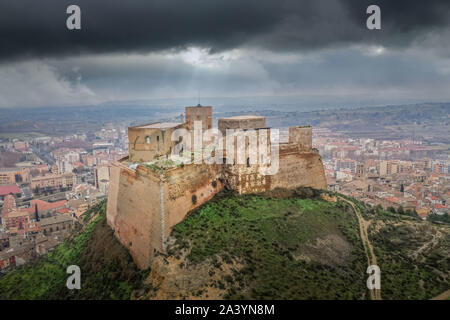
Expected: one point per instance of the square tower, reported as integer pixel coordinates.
(145, 142)
(241, 123)
(199, 113)
(302, 136)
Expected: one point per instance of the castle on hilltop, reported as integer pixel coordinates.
(149, 193)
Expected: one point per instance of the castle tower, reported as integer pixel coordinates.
(241, 123)
(199, 113)
(301, 135)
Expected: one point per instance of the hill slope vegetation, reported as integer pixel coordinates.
(298, 244)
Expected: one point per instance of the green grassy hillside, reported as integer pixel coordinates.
(278, 245)
(271, 246)
(414, 256)
(107, 271)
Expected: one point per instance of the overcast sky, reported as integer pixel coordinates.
(319, 51)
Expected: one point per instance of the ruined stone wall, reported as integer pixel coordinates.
(245, 180)
(299, 170)
(141, 151)
(296, 169)
(302, 136)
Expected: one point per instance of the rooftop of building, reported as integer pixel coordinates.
(76, 203)
(63, 210)
(52, 176)
(4, 190)
(25, 164)
(44, 205)
(55, 219)
(199, 106)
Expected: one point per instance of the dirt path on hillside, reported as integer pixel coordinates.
(427, 245)
(368, 248)
(443, 296)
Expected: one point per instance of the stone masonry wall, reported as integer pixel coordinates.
(182, 184)
(144, 206)
(199, 113)
(244, 122)
(245, 179)
(300, 170)
(302, 136)
(135, 217)
(141, 203)
(160, 143)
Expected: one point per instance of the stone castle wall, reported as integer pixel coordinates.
(245, 180)
(159, 142)
(242, 122)
(199, 113)
(296, 169)
(302, 136)
(141, 204)
(300, 170)
(188, 187)
(144, 206)
(134, 212)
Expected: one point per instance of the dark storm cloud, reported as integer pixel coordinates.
(39, 27)
(30, 28)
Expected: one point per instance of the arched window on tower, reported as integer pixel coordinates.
(147, 139)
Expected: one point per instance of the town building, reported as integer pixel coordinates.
(10, 190)
(58, 224)
(10, 176)
(54, 182)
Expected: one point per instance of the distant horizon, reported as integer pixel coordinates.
(284, 103)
